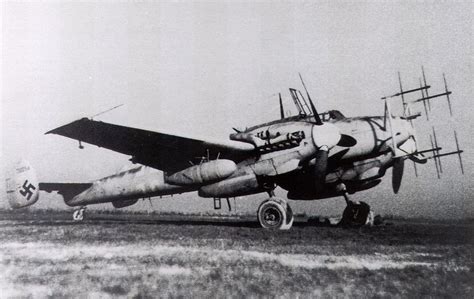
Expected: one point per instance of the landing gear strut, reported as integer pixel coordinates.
(355, 213)
(275, 214)
(78, 215)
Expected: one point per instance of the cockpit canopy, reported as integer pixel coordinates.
(331, 114)
(305, 110)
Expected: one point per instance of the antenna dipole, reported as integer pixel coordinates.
(424, 102)
(435, 158)
(426, 91)
(459, 152)
(447, 95)
(437, 152)
(401, 90)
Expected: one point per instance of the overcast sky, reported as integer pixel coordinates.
(200, 69)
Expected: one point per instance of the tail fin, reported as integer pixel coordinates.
(22, 186)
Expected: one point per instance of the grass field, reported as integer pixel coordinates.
(43, 256)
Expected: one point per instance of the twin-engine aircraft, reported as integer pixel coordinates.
(311, 155)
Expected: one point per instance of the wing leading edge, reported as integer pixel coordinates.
(158, 150)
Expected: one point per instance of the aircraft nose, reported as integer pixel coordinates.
(407, 130)
(412, 132)
(326, 134)
(410, 129)
(404, 131)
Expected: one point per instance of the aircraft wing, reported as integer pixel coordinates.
(154, 149)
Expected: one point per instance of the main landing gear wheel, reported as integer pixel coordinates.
(78, 214)
(275, 214)
(355, 214)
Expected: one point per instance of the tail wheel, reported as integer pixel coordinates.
(78, 215)
(275, 214)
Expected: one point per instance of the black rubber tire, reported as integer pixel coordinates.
(275, 214)
(355, 214)
(78, 215)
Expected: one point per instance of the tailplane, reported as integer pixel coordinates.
(66, 190)
(23, 187)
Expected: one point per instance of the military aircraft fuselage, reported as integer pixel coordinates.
(310, 155)
(372, 134)
(284, 155)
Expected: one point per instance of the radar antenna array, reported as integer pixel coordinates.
(425, 99)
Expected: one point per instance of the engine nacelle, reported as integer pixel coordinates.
(22, 186)
(204, 173)
(124, 203)
(237, 186)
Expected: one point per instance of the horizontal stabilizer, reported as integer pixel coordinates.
(66, 189)
(23, 187)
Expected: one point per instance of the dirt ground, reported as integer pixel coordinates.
(47, 255)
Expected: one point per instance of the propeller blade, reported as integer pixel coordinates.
(347, 141)
(320, 168)
(447, 95)
(397, 174)
(325, 137)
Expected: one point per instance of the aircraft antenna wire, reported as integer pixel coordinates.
(108, 110)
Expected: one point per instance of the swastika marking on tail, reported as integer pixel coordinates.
(26, 190)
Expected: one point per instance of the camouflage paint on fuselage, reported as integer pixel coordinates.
(359, 164)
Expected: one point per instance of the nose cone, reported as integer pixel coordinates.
(326, 134)
(403, 130)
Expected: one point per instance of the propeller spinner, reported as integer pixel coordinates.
(325, 137)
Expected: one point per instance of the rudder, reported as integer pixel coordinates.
(22, 186)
